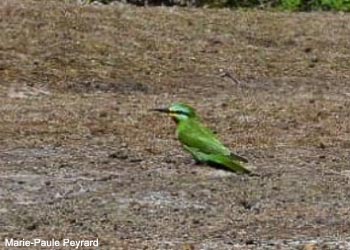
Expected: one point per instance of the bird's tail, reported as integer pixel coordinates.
(225, 162)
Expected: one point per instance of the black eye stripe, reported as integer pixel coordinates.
(180, 112)
(183, 113)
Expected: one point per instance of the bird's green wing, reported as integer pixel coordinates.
(220, 161)
(227, 163)
(193, 134)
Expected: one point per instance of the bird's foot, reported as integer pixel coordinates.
(196, 163)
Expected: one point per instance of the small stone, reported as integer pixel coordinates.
(310, 246)
(135, 159)
(118, 155)
(249, 242)
(188, 247)
(31, 227)
(307, 49)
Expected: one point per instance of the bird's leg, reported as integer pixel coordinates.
(191, 161)
(194, 154)
(196, 162)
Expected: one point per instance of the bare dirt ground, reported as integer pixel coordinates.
(81, 156)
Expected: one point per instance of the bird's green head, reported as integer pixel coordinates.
(179, 111)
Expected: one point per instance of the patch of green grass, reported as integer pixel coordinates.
(292, 5)
(338, 5)
(289, 5)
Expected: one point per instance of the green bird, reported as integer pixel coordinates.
(200, 141)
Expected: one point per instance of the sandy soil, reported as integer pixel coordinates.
(82, 157)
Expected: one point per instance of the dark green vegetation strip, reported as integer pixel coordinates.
(291, 5)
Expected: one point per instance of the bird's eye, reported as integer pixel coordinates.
(179, 112)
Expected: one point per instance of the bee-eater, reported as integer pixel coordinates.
(200, 141)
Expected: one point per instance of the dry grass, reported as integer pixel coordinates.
(82, 156)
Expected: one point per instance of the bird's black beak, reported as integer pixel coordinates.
(163, 110)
